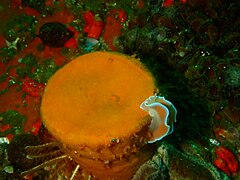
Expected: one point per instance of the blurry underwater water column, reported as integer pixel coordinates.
(96, 109)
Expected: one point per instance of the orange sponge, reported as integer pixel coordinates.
(92, 106)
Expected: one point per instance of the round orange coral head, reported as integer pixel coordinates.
(92, 106)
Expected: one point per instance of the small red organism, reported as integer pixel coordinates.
(31, 12)
(2, 43)
(16, 4)
(5, 127)
(228, 156)
(33, 88)
(49, 3)
(122, 15)
(89, 18)
(183, 1)
(217, 117)
(10, 137)
(36, 127)
(222, 165)
(96, 29)
(141, 4)
(72, 42)
(167, 3)
(219, 132)
(93, 25)
(75, 32)
(113, 26)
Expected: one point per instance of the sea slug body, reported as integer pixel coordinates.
(163, 115)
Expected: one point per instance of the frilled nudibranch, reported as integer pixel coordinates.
(91, 106)
(163, 115)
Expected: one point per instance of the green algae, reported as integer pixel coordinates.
(15, 120)
(40, 72)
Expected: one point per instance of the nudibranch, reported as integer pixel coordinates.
(91, 106)
(163, 115)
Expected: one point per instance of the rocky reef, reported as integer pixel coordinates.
(170, 163)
